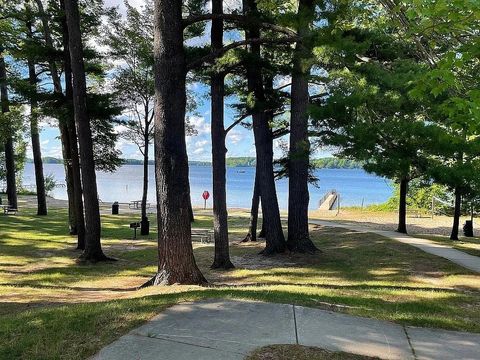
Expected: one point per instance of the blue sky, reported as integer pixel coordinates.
(240, 141)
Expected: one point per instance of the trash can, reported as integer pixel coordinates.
(468, 228)
(115, 208)
(145, 226)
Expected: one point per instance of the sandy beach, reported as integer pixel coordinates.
(417, 225)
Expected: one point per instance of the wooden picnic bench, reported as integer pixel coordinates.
(417, 213)
(7, 210)
(137, 204)
(202, 235)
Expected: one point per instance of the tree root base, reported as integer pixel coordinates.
(164, 278)
(248, 238)
(272, 250)
(95, 258)
(224, 264)
(304, 246)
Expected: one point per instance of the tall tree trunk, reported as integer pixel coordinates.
(34, 133)
(72, 135)
(261, 234)
(299, 152)
(190, 208)
(66, 153)
(93, 249)
(456, 214)
(9, 148)
(35, 136)
(145, 225)
(64, 137)
(402, 208)
(220, 215)
(145, 173)
(275, 240)
(176, 263)
(252, 229)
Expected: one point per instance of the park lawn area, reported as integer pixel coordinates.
(470, 245)
(51, 307)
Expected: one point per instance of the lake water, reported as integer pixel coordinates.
(354, 185)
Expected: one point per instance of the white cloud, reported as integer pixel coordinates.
(199, 151)
(119, 128)
(234, 137)
(55, 152)
(201, 143)
(200, 125)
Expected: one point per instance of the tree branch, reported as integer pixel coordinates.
(280, 132)
(236, 18)
(318, 96)
(236, 122)
(220, 52)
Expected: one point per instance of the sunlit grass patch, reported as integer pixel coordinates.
(44, 290)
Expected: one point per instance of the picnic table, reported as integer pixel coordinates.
(202, 235)
(417, 212)
(7, 210)
(137, 204)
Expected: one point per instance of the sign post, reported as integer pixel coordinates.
(205, 196)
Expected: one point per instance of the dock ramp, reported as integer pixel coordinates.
(329, 200)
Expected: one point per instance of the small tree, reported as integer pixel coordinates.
(368, 112)
(130, 42)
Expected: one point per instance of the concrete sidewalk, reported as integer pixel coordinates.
(220, 329)
(458, 257)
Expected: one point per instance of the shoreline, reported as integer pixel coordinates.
(380, 220)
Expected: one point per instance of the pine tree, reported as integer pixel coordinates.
(176, 263)
(218, 133)
(93, 249)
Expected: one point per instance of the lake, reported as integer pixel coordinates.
(354, 185)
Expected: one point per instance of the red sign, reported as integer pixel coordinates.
(205, 195)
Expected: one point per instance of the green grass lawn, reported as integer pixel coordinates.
(51, 307)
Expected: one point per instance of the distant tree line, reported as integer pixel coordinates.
(321, 163)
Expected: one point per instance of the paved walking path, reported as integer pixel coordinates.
(458, 257)
(224, 330)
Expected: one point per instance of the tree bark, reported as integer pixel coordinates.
(93, 249)
(145, 172)
(9, 147)
(190, 208)
(275, 240)
(252, 229)
(144, 225)
(72, 135)
(176, 263)
(261, 234)
(64, 136)
(220, 214)
(35, 136)
(456, 214)
(402, 208)
(66, 153)
(299, 152)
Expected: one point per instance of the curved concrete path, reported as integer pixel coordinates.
(224, 330)
(458, 257)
